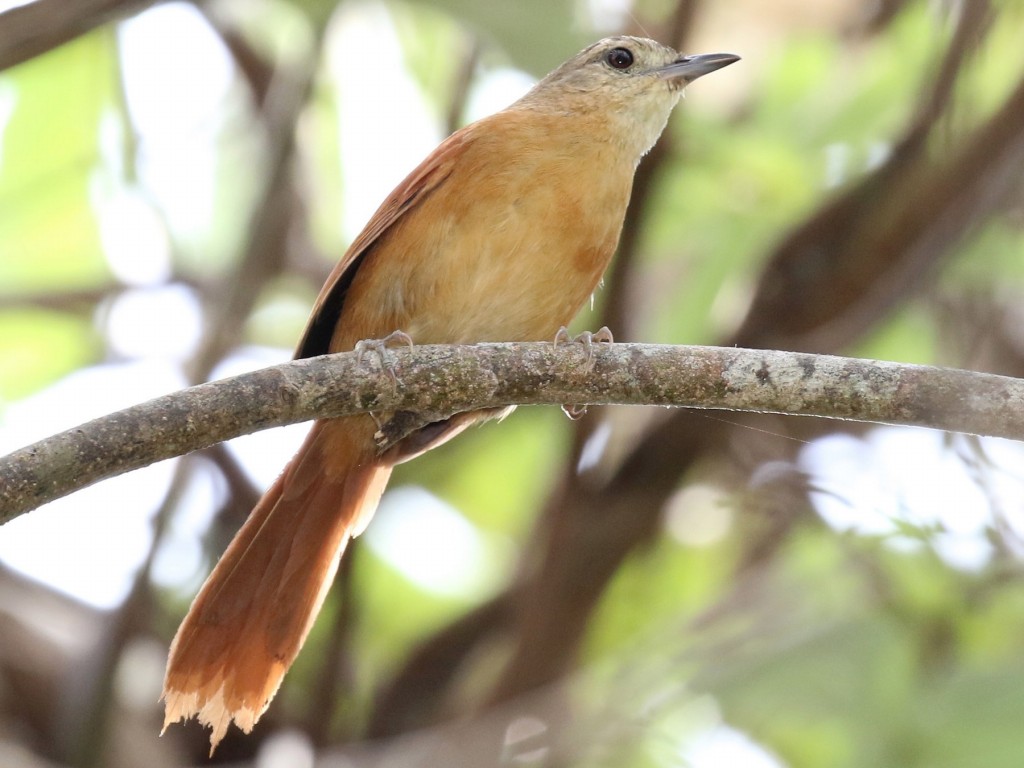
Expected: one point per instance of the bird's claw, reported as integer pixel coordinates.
(573, 411)
(602, 336)
(380, 348)
(562, 337)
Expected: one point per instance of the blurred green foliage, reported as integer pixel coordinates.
(844, 649)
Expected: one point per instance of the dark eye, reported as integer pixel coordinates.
(619, 58)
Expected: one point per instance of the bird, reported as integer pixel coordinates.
(501, 234)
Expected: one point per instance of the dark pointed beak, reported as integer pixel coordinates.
(686, 69)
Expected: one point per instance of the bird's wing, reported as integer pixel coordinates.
(416, 187)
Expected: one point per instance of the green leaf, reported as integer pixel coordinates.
(51, 148)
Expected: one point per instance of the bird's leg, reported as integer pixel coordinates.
(380, 348)
(602, 336)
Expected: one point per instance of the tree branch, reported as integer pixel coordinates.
(434, 382)
(33, 29)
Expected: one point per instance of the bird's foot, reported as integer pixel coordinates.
(602, 336)
(574, 411)
(379, 347)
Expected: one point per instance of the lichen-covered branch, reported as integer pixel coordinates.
(433, 382)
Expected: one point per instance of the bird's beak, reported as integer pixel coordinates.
(686, 69)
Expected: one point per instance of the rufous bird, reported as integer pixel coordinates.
(501, 234)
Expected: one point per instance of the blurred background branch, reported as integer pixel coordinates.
(34, 28)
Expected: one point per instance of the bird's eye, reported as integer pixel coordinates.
(619, 58)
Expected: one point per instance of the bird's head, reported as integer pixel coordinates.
(630, 82)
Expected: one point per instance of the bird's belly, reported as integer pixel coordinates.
(513, 260)
(514, 288)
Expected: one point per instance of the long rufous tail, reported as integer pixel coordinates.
(252, 615)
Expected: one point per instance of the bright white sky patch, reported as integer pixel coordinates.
(430, 543)
(177, 77)
(594, 447)
(725, 747)
(922, 477)
(606, 16)
(287, 749)
(135, 241)
(6, 5)
(163, 322)
(495, 91)
(88, 544)
(179, 561)
(385, 126)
